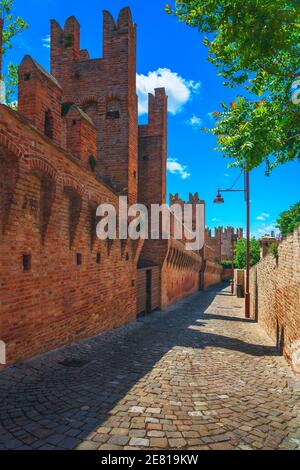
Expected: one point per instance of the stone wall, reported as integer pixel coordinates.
(275, 296)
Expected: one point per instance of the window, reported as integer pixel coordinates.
(113, 109)
(49, 124)
(27, 76)
(26, 262)
(98, 258)
(79, 259)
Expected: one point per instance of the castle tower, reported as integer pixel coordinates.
(106, 91)
(153, 151)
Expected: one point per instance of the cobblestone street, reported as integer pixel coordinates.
(197, 376)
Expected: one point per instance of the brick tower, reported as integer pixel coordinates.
(106, 90)
(153, 151)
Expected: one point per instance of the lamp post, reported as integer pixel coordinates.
(232, 261)
(220, 200)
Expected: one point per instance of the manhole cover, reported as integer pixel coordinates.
(74, 363)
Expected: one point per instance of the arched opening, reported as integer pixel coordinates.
(92, 222)
(47, 196)
(91, 109)
(49, 128)
(71, 209)
(8, 180)
(113, 109)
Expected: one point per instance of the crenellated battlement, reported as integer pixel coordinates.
(105, 88)
(218, 246)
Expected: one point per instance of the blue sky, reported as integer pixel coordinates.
(171, 54)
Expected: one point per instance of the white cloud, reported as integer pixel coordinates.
(178, 89)
(46, 41)
(268, 229)
(194, 121)
(177, 168)
(263, 216)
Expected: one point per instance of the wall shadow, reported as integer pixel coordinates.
(57, 400)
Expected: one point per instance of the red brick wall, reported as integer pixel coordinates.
(275, 293)
(227, 274)
(46, 197)
(212, 273)
(213, 245)
(180, 273)
(219, 246)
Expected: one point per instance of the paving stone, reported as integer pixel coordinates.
(119, 440)
(177, 443)
(139, 442)
(137, 409)
(153, 410)
(88, 445)
(212, 381)
(159, 442)
(156, 433)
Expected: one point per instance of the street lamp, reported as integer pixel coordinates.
(220, 200)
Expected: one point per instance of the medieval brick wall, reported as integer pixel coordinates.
(218, 247)
(58, 281)
(212, 274)
(180, 273)
(275, 294)
(179, 269)
(213, 245)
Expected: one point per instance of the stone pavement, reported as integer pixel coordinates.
(197, 376)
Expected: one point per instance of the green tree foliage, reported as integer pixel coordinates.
(289, 220)
(240, 253)
(254, 43)
(12, 27)
(227, 264)
(273, 249)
